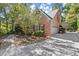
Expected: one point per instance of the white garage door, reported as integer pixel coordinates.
(54, 30)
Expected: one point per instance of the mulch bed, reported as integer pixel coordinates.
(20, 40)
(25, 40)
(3, 43)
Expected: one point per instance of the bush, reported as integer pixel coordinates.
(18, 30)
(29, 33)
(77, 30)
(38, 34)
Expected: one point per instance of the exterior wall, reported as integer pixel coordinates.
(55, 23)
(47, 25)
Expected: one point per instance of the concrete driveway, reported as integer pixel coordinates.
(73, 36)
(50, 47)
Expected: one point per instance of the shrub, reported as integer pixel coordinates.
(78, 30)
(38, 33)
(18, 30)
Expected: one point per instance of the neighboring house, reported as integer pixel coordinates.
(51, 21)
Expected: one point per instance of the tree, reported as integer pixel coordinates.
(20, 13)
(57, 6)
(60, 7)
(71, 11)
(36, 16)
(4, 13)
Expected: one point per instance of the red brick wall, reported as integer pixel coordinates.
(55, 22)
(46, 23)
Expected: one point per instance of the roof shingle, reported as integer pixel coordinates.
(51, 14)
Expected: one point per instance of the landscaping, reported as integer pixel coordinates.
(29, 27)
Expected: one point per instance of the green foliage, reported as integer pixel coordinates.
(18, 30)
(70, 14)
(57, 6)
(4, 26)
(78, 30)
(78, 22)
(71, 11)
(38, 33)
(20, 13)
(3, 30)
(35, 17)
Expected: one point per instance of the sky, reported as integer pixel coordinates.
(44, 6)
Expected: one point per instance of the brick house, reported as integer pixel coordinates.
(51, 21)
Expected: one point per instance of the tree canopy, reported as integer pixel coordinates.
(71, 13)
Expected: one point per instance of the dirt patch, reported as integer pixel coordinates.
(3, 43)
(19, 40)
(25, 40)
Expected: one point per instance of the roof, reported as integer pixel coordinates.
(46, 15)
(51, 14)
